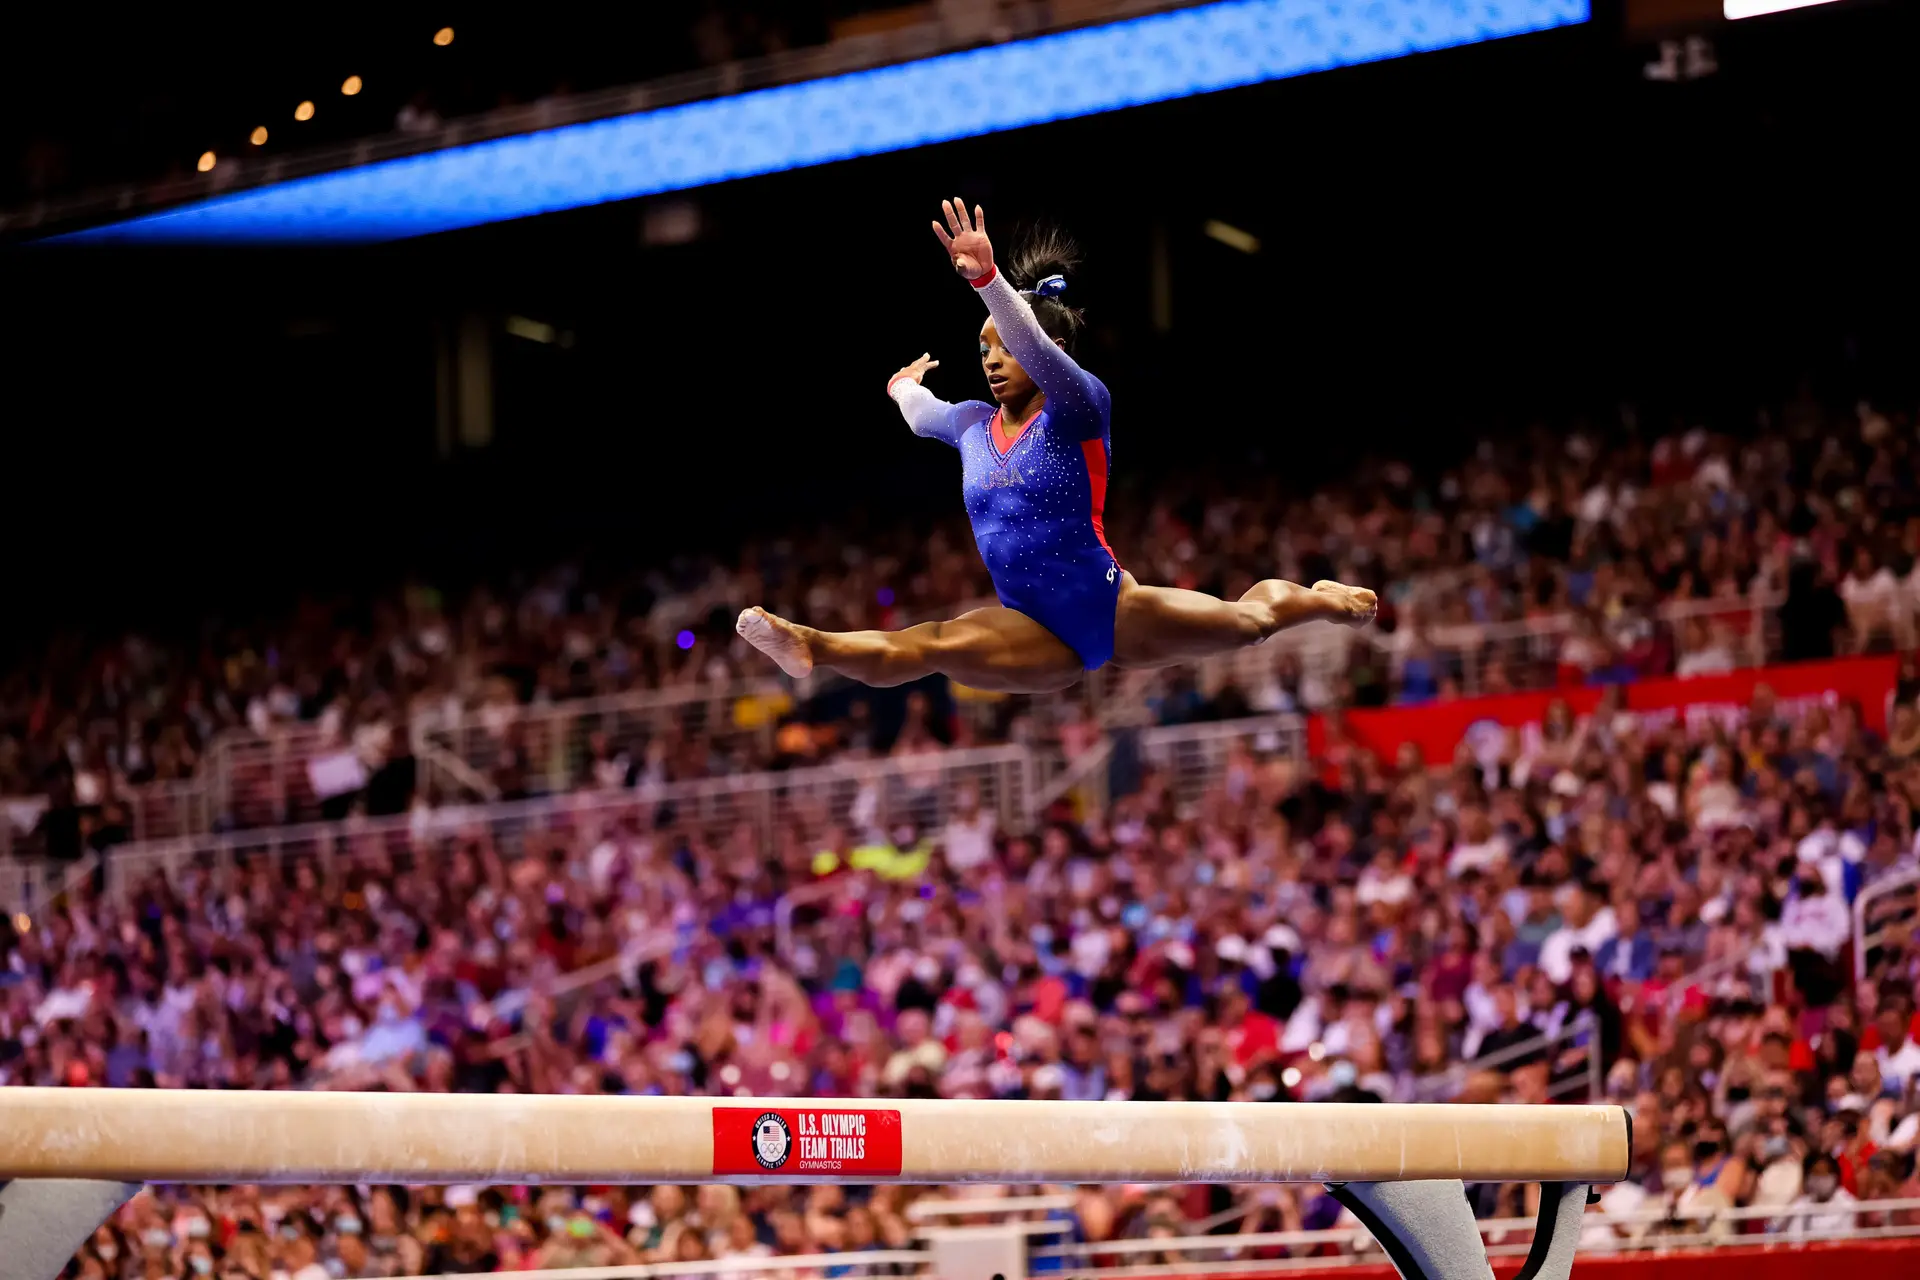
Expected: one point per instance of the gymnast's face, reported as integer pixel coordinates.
(1005, 378)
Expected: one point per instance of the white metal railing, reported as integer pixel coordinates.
(556, 738)
(439, 773)
(1087, 775)
(1197, 756)
(917, 790)
(806, 1264)
(1582, 1033)
(921, 1210)
(1730, 974)
(1885, 909)
(32, 885)
(1505, 1237)
(1709, 1228)
(872, 795)
(955, 27)
(252, 780)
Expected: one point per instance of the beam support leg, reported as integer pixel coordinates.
(1429, 1233)
(44, 1221)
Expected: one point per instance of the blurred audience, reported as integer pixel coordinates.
(1380, 931)
(1580, 558)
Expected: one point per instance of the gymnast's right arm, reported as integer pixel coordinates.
(925, 412)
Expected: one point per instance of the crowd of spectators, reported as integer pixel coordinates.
(1669, 900)
(1795, 541)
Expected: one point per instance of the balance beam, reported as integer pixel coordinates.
(1401, 1168)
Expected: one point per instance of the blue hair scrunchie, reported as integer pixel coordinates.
(1051, 287)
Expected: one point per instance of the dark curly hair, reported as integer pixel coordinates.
(1038, 253)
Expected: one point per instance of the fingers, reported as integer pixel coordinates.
(979, 220)
(946, 241)
(954, 217)
(960, 207)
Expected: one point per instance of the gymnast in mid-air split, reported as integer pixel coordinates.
(1034, 474)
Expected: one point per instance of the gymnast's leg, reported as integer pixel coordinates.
(1161, 626)
(994, 649)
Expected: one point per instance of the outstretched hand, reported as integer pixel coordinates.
(916, 371)
(965, 239)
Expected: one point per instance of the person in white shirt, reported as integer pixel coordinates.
(1586, 924)
(1870, 593)
(969, 832)
(1898, 1056)
(1823, 1208)
(1814, 926)
(1703, 651)
(1814, 919)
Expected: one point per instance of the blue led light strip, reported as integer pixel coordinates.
(960, 95)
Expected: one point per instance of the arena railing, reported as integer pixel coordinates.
(1709, 1228)
(1886, 913)
(860, 794)
(914, 790)
(556, 737)
(1196, 756)
(251, 779)
(31, 885)
(1579, 1040)
(1353, 1244)
(954, 26)
(1735, 976)
(798, 1266)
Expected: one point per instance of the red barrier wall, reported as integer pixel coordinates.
(1438, 728)
(1855, 1260)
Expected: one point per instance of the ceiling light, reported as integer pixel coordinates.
(303, 112)
(206, 162)
(443, 37)
(1754, 8)
(1232, 236)
(351, 87)
(259, 136)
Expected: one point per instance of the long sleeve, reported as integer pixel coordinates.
(927, 414)
(1073, 394)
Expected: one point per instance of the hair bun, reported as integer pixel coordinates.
(1051, 287)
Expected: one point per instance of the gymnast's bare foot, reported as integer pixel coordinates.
(1358, 604)
(781, 640)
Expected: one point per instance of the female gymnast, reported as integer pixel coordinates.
(1034, 475)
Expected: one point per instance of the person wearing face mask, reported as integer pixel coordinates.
(1781, 1163)
(200, 1260)
(1693, 1206)
(298, 1257)
(1823, 1208)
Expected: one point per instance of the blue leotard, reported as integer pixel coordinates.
(1036, 500)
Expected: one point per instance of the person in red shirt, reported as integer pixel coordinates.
(1252, 1037)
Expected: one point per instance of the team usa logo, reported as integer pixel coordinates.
(772, 1141)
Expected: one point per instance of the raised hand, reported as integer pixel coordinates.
(916, 371)
(965, 239)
